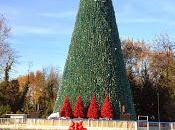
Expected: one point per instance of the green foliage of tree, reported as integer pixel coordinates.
(12, 99)
(95, 61)
(43, 86)
(151, 75)
(4, 109)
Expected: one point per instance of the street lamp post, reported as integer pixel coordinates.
(158, 107)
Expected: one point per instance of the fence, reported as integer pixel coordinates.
(8, 123)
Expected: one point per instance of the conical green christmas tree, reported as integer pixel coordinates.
(95, 62)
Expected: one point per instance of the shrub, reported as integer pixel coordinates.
(4, 109)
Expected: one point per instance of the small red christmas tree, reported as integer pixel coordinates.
(106, 110)
(79, 108)
(66, 110)
(93, 111)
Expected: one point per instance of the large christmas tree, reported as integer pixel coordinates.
(95, 62)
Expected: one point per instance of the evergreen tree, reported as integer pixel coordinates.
(106, 109)
(79, 108)
(66, 110)
(95, 61)
(93, 111)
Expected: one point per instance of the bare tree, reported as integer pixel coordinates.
(163, 60)
(7, 54)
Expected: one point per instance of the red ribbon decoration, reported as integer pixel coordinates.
(77, 126)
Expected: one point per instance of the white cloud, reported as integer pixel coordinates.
(9, 12)
(68, 14)
(36, 30)
(31, 29)
(167, 6)
(140, 20)
(150, 11)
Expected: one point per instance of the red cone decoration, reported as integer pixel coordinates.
(106, 110)
(66, 110)
(79, 108)
(93, 111)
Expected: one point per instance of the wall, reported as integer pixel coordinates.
(7, 123)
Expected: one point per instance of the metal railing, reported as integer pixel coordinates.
(10, 121)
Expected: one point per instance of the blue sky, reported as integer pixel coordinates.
(41, 29)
